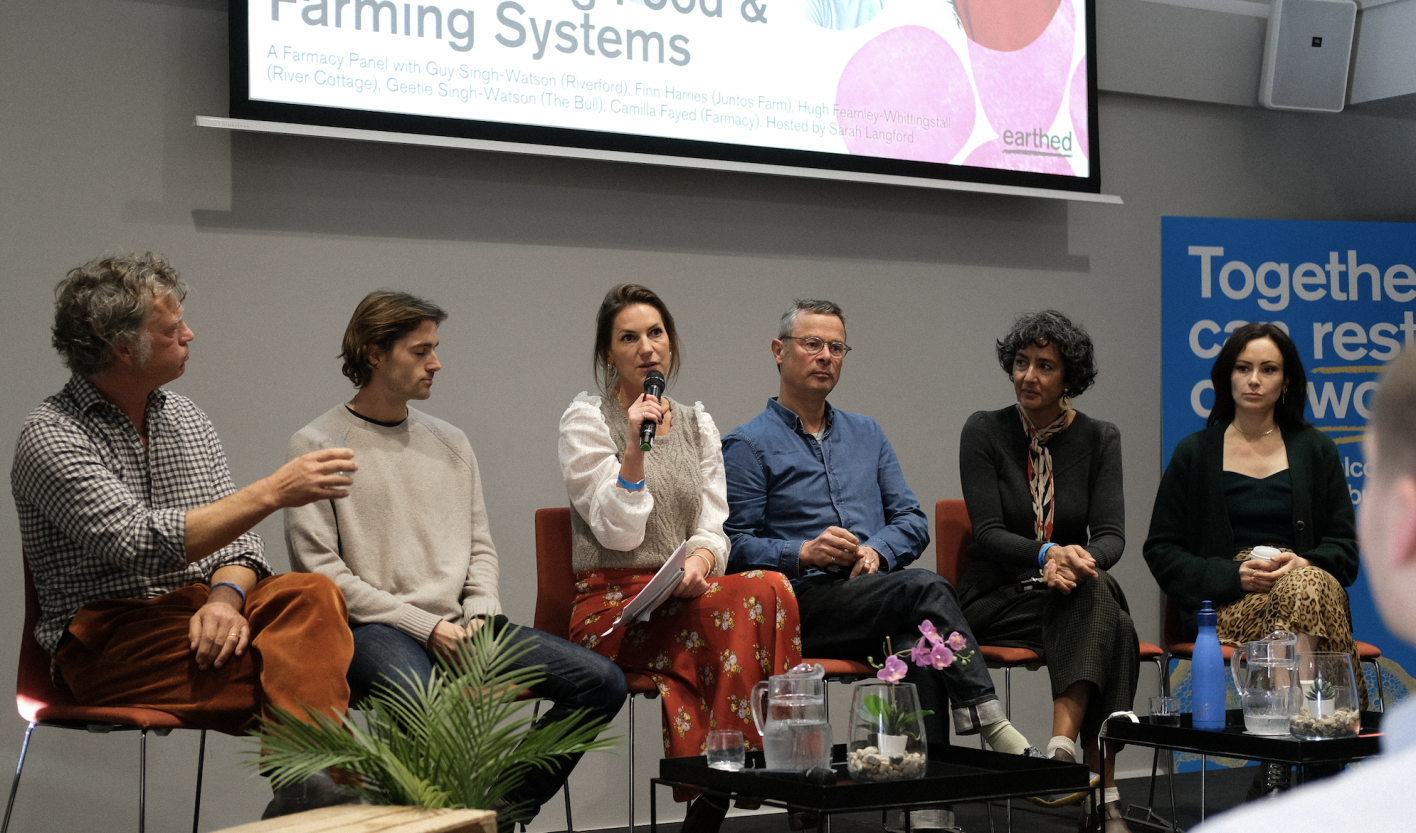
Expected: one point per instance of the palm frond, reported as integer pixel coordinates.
(459, 740)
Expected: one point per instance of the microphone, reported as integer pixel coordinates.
(653, 386)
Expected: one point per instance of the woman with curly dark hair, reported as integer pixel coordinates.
(1042, 483)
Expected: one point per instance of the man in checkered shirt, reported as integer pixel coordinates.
(153, 590)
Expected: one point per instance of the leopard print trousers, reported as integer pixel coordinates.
(1306, 600)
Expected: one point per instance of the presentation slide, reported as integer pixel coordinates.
(999, 84)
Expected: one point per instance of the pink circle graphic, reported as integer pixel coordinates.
(1005, 25)
(905, 95)
(1002, 157)
(1022, 90)
(1077, 97)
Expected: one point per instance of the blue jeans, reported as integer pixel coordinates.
(575, 678)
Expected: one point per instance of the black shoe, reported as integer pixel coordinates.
(705, 815)
(1269, 781)
(1110, 819)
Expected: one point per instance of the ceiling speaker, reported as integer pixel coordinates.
(1307, 55)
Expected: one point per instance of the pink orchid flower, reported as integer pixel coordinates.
(957, 641)
(941, 657)
(894, 670)
(919, 654)
(927, 628)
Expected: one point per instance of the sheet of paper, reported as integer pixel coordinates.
(654, 593)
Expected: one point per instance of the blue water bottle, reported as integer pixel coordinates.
(1207, 672)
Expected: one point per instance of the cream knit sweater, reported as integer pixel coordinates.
(410, 544)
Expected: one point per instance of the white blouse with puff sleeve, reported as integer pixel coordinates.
(590, 466)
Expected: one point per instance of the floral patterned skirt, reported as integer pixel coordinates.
(704, 654)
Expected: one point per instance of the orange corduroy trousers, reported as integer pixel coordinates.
(136, 652)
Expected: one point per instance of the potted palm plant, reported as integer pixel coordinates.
(462, 741)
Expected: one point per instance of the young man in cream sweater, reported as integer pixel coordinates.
(410, 545)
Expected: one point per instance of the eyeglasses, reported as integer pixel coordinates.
(812, 345)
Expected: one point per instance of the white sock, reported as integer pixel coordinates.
(1065, 744)
(1110, 795)
(1002, 737)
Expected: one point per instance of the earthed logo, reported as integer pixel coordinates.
(1038, 143)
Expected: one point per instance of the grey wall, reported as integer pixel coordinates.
(281, 236)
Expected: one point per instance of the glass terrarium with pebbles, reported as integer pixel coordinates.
(1326, 697)
(887, 735)
(888, 742)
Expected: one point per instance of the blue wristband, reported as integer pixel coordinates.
(241, 592)
(633, 487)
(1042, 554)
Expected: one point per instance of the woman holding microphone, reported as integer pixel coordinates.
(719, 634)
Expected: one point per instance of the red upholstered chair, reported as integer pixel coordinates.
(953, 533)
(42, 704)
(1367, 653)
(843, 671)
(555, 593)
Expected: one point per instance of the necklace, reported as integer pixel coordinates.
(1236, 427)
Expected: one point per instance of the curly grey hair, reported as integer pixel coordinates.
(1052, 327)
(807, 305)
(106, 303)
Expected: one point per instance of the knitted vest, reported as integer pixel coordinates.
(672, 474)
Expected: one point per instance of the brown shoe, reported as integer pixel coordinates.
(1065, 799)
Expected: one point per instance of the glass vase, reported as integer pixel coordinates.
(887, 732)
(1325, 699)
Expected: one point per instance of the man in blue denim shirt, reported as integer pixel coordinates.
(817, 494)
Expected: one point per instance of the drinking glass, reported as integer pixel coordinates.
(725, 749)
(337, 442)
(1165, 711)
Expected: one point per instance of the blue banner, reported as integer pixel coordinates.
(1345, 293)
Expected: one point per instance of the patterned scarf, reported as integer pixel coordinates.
(1040, 471)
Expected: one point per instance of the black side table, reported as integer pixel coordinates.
(1234, 742)
(954, 774)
